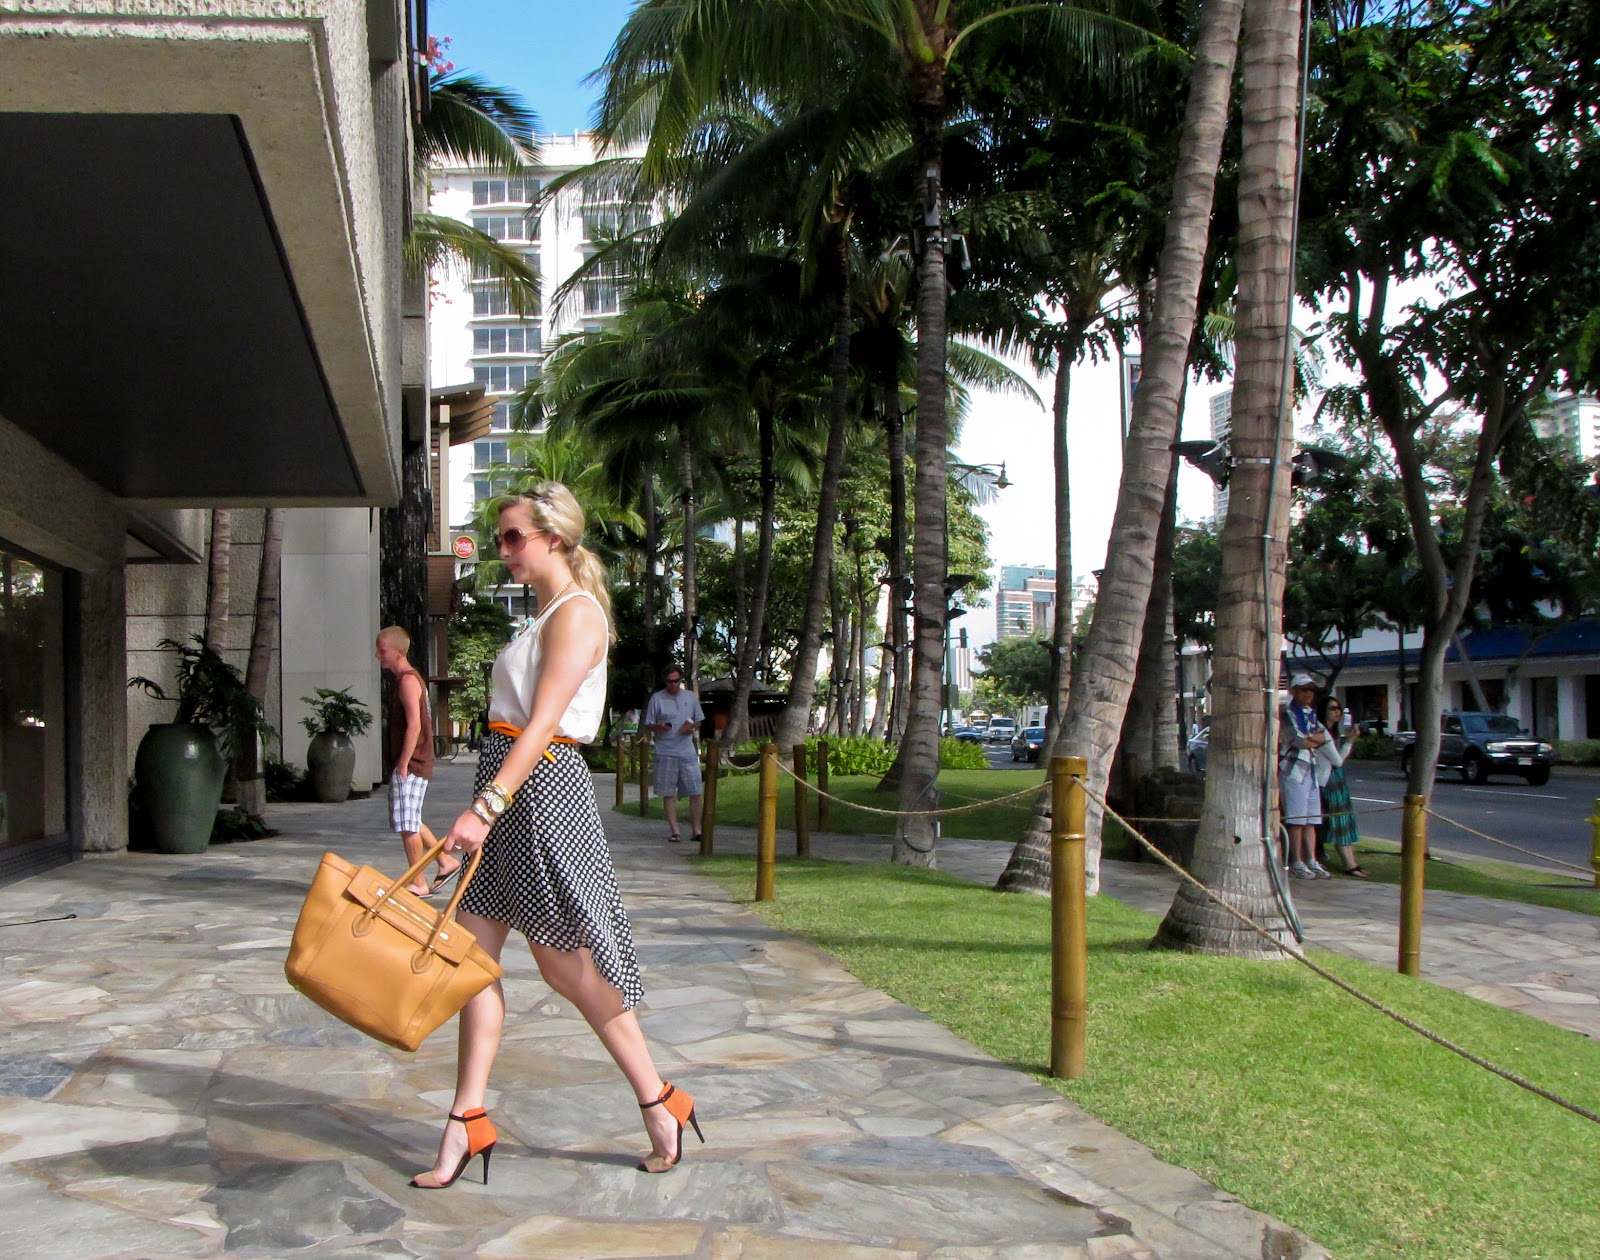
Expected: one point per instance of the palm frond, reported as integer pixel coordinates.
(438, 242)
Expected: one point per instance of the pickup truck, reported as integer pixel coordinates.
(1480, 744)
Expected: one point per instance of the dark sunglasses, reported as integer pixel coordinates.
(673, 681)
(512, 539)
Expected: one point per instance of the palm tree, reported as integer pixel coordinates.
(473, 123)
(676, 60)
(1250, 600)
(1103, 679)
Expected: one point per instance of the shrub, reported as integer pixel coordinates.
(956, 755)
(599, 758)
(284, 781)
(863, 755)
(1578, 752)
(1373, 748)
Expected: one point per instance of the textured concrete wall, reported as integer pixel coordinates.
(49, 509)
(330, 622)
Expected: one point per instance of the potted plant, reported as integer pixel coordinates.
(180, 765)
(331, 758)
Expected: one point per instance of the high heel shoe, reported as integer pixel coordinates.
(680, 1106)
(481, 1139)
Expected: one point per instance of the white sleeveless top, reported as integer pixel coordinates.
(516, 676)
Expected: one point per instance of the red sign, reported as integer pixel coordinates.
(465, 546)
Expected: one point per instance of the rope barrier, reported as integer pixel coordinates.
(1471, 831)
(1299, 956)
(917, 813)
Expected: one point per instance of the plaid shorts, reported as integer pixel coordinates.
(676, 776)
(405, 802)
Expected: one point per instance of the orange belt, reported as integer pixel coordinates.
(505, 728)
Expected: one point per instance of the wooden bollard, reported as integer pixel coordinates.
(802, 806)
(708, 797)
(1069, 913)
(1413, 854)
(822, 786)
(767, 823)
(642, 766)
(621, 776)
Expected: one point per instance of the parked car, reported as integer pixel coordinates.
(965, 734)
(1026, 743)
(1000, 730)
(1198, 747)
(1481, 744)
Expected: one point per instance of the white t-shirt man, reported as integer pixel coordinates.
(673, 708)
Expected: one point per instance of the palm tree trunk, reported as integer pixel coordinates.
(894, 423)
(755, 624)
(652, 546)
(691, 640)
(217, 580)
(915, 830)
(741, 610)
(252, 793)
(1254, 536)
(803, 678)
(862, 615)
(1103, 676)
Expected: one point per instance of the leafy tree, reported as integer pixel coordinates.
(478, 632)
(1016, 671)
(1456, 141)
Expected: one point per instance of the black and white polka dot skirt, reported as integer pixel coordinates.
(546, 871)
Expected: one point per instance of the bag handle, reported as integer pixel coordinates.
(431, 849)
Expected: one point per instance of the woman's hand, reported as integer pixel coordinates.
(467, 834)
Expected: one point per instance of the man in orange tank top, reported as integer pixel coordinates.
(411, 737)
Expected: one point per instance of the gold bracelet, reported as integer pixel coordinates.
(497, 797)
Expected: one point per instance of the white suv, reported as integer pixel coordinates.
(1000, 730)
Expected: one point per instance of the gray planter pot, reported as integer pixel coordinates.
(179, 773)
(331, 760)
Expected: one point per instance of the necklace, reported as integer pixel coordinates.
(559, 594)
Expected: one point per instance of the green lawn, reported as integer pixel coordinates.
(736, 806)
(1259, 1076)
(1483, 877)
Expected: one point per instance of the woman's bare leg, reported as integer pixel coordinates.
(478, 1040)
(573, 976)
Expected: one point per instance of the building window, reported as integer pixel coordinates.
(489, 302)
(485, 455)
(508, 227)
(505, 378)
(504, 192)
(33, 746)
(519, 339)
(501, 421)
(611, 222)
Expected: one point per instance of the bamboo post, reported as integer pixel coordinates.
(1594, 853)
(1413, 851)
(822, 797)
(1069, 934)
(767, 822)
(642, 766)
(621, 775)
(708, 798)
(802, 807)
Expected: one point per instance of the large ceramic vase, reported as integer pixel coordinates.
(179, 771)
(331, 760)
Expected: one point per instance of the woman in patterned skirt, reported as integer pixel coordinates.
(1338, 815)
(545, 870)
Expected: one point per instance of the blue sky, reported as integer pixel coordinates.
(542, 48)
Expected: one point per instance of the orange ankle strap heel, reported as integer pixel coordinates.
(680, 1106)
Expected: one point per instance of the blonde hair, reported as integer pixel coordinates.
(396, 637)
(554, 509)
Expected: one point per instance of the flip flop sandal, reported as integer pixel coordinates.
(1356, 872)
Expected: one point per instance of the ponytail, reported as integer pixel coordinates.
(590, 574)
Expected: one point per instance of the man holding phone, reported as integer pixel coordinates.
(672, 717)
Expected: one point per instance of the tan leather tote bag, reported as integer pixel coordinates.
(382, 959)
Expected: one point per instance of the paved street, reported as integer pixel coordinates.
(163, 1093)
(1549, 819)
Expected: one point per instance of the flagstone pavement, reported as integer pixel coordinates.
(164, 1093)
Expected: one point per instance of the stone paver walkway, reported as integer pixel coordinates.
(1540, 961)
(164, 1093)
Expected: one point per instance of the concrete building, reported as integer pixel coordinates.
(474, 338)
(1221, 429)
(1549, 680)
(1025, 603)
(1573, 420)
(202, 304)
